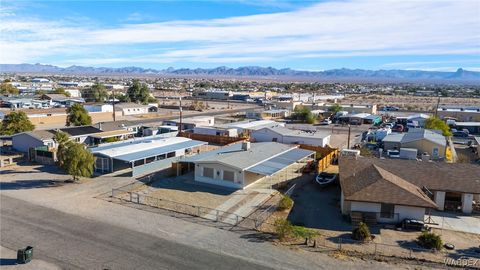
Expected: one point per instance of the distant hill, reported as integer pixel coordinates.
(460, 75)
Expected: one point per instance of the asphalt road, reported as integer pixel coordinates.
(73, 242)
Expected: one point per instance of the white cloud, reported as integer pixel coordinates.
(329, 29)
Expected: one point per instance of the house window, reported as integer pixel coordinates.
(160, 157)
(228, 176)
(171, 154)
(208, 172)
(387, 210)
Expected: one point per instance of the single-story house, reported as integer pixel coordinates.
(217, 131)
(290, 136)
(424, 140)
(417, 120)
(99, 107)
(472, 127)
(247, 127)
(61, 100)
(240, 165)
(268, 114)
(142, 155)
(392, 190)
(192, 122)
(132, 108)
(461, 113)
(24, 141)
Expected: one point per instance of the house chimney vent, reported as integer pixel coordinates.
(245, 146)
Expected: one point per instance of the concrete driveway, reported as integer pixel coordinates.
(456, 222)
(317, 207)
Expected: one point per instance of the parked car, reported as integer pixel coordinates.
(326, 122)
(393, 153)
(324, 179)
(398, 128)
(460, 134)
(412, 225)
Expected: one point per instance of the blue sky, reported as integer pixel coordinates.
(308, 35)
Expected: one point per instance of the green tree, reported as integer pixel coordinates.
(73, 157)
(63, 141)
(7, 88)
(78, 116)
(15, 122)
(335, 108)
(96, 93)
(438, 124)
(61, 90)
(303, 114)
(138, 92)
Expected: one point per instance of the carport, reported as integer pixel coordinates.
(280, 168)
(142, 156)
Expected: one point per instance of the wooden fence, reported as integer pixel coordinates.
(325, 155)
(220, 140)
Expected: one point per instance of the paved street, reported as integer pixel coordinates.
(71, 226)
(72, 242)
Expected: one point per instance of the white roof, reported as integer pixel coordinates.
(138, 146)
(252, 124)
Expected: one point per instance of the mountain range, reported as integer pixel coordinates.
(460, 75)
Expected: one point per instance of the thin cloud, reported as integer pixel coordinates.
(327, 29)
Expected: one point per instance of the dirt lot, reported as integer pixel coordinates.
(407, 102)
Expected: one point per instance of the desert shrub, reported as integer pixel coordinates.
(302, 232)
(283, 228)
(430, 240)
(361, 233)
(285, 203)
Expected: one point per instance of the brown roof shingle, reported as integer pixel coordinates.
(454, 177)
(374, 184)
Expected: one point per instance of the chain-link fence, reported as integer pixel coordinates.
(252, 221)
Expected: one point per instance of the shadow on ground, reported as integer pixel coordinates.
(258, 237)
(188, 185)
(29, 184)
(318, 208)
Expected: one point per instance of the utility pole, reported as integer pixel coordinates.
(180, 108)
(113, 105)
(438, 103)
(348, 140)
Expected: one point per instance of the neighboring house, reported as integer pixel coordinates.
(398, 189)
(132, 108)
(56, 100)
(268, 114)
(74, 93)
(460, 113)
(290, 136)
(246, 127)
(417, 120)
(99, 107)
(192, 122)
(424, 140)
(24, 141)
(472, 127)
(24, 102)
(248, 163)
(217, 131)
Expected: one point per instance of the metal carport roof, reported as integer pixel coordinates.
(275, 164)
(158, 151)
